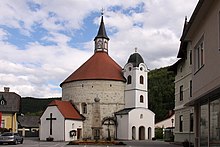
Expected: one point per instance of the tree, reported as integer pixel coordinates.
(161, 92)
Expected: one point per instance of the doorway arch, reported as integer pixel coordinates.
(141, 133)
(133, 133)
(149, 133)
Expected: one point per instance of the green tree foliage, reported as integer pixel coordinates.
(35, 106)
(161, 92)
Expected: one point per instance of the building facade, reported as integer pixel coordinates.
(135, 121)
(61, 121)
(202, 41)
(184, 116)
(9, 108)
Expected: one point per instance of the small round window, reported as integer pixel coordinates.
(129, 68)
(141, 68)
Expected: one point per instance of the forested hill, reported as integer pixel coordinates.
(161, 92)
(35, 106)
(161, 96)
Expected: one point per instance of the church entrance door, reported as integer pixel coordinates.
(142, 133)
(79, 132)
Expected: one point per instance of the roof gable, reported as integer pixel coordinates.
(67, 109)
(10, 102)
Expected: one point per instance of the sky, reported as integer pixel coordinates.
(42, 41)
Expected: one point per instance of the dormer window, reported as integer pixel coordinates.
(3, 101)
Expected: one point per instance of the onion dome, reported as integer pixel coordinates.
(135, 59)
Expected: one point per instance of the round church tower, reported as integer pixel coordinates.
(100, 77)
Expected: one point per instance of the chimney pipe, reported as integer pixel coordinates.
(6, 89)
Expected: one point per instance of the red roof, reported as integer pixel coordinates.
(99, 67)
(67, 109)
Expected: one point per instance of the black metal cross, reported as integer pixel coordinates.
(50, 119)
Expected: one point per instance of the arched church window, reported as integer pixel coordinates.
(129, 79)
(141, 80)
(84, 108)
(141, 116)
(141, 99)
(106, 45)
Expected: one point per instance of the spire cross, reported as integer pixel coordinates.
(135, 49)
(102, 11)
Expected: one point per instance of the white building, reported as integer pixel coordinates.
(61, 121)
(135, 121)
(98, 89)
(169, 122)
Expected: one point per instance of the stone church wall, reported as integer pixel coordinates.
(110, 93)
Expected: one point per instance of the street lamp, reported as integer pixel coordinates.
(172, 122)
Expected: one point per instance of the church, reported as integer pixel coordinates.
(111, 102)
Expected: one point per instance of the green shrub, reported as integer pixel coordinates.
(159, 133)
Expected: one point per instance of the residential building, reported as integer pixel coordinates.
(9, 108)
(28, 126)
(201, 43)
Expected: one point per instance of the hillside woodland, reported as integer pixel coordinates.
(161, 92)
(161, 96)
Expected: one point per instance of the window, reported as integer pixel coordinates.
(181, 123)
(2, 102)
(141, 80)
(141, 116)
(129, 80)
(199, 54)
(3, 124)
(106, 45)
(191, 122)
(190, 57)
(84, 108)
(181, 92)
(141, 99)
(190, 88)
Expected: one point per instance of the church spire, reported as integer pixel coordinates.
(101, 39)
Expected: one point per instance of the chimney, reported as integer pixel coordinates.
(6, 89)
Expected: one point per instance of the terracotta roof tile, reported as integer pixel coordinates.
(67, 109)
(99, 67)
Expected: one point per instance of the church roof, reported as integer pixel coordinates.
(135, 59)
(124, 111)
(102, 32)
(99, 67)
(67, 109)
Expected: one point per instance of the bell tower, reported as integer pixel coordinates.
(136, 89)
(101, 39)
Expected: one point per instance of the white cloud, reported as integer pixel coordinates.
(39, 69)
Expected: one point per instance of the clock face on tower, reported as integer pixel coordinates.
(99, 44)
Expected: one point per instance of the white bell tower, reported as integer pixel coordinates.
(136, 89)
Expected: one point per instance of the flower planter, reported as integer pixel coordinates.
(49, 139)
